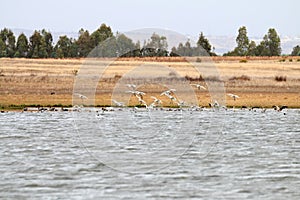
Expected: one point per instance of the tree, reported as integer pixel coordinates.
(204, 43)
(124, 44)
(274, 42)
(156, 46)
(2, 49)
(270, 45)
(35, 42)
(242, 41)
(39, 45)
(157, 42)
(22, 46)
(101, 34)
(8, 41)
(84, 43)
(252, 51)
(47, 43)
(262, 49)
(63, 47)
(296, 51)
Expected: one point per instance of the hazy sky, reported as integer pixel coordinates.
(184, 16)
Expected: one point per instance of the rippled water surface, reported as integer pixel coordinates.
(160, 154)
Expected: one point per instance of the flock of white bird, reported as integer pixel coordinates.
(170, 94)
(156, 102)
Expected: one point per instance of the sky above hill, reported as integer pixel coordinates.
(188, 17)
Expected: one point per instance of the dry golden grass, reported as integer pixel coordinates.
(31, 81)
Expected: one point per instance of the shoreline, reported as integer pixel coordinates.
(49, 82)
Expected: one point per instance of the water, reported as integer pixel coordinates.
(237, 154)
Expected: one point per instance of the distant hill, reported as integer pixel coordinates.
(222, 44)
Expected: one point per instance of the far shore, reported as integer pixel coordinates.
(258, 81)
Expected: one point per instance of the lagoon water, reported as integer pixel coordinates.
(234, 154)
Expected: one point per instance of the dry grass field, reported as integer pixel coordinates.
(49, 82)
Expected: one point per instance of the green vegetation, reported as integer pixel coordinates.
(269, 46)
(203, 48)
(296, 51)
(40, 45)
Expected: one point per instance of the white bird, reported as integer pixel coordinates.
(279, 108)
(180, 103)
(215, 104)
(234, 96)
(81, 96)
(199, 87)
(132, 86)
(141, 101)
(117, 103)
(156, 100)
(135, 92)
(172, 98)
(168, 92)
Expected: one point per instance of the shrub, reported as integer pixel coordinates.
(282, 60)
(172, 74)
(75, 72)
(298, 60)
(280, 78)
(243, 61)
(198, 60)
(241, 78)
(291, 60)
(189, 78)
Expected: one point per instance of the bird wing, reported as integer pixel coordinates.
(204, 88)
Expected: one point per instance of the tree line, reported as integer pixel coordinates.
(40, 45)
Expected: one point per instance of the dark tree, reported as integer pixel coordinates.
(47, 43)
(252, 51)
(101, 34)
(296, 51)
(63, 47)
(270, 46)
(35, 46)
(204, 43)
(22, 46)
(124, 45)
(7, 46)
(242, 41)
(84, 43)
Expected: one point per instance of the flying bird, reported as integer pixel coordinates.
(81, 96)
(279, 108)
(135, 92)
(199, 87)
(168, 92)
(215, 104)
(132, 86)
(156, 100)
(117, 103)
(141, 101)
(234, 96)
